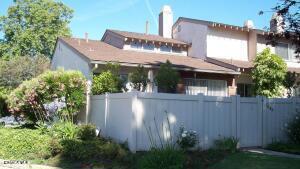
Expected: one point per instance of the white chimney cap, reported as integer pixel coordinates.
(166, 8)
(249, 24)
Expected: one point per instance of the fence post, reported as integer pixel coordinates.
(202, 114)
(106, 113)
(264, 101)
(134, 108)
(236, 107)
(88, 101)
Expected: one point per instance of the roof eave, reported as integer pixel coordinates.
(178, 68)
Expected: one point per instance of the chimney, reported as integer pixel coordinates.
(147, 27)
(249, 24)
(277, 23)
(165, 22)
(86, 35)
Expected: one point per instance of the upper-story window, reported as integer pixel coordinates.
(165, 48)
(282, 49)
(148, 46)
(136, 45)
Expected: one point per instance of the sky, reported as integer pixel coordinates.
(95, 16)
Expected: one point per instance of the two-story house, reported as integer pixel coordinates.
(232, 46)
(212, 58)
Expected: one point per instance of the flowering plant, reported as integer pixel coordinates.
(293, 129)
(33, 99)
(187, 139)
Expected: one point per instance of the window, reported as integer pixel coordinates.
(148, 46)
(165, 48)
(207, 87)
(245, 90)
(176, 50)
(282, 49)
(135, 45)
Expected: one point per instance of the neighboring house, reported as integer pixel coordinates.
(212, 58)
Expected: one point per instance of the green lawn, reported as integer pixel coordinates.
(244, 160)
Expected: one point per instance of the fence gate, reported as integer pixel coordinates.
(249, 122)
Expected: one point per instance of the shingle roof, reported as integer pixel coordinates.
(249, 64)
(148, 37)
(98, 51)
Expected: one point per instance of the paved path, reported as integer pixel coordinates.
(269, 152)
(4, 165)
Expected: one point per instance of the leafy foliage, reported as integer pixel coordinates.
(92, 149)
(289, 10)
(187, 139)
(139, 78)
(87, 132)
(3, 105)
(15, 70)
(290, 82)
(167, 78)
(167, 158)
(227, 144)
(293, 129)
(63, 130)
(107, 81)
(24, 144)
(31, 27)
(268, 74)
(31, 96)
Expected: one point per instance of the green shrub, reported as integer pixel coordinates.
(87, 132)
(55, 147)
(167, 158)
(293, 129)
(24, 144)
(112, 150)
(106, 82)
(187, 139)
(227, 144)
(167, 78)
(268, 74)
(64, 130)
(139, 78)
(31, 96)
(92, 150)
(4, 91)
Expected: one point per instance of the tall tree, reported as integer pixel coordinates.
(289, 11)
(31, 27)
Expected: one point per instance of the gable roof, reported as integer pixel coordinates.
(101, 52)
(143, 36)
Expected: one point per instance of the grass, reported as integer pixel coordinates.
(245, 160)
(285, 147)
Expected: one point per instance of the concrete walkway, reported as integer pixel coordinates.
(7, 164)
(269, 152)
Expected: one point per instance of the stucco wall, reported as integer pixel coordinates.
(195, 34)
(227, 44)
(67, 58)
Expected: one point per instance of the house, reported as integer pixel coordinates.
(212, 58)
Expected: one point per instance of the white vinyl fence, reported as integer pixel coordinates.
(254, 121)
